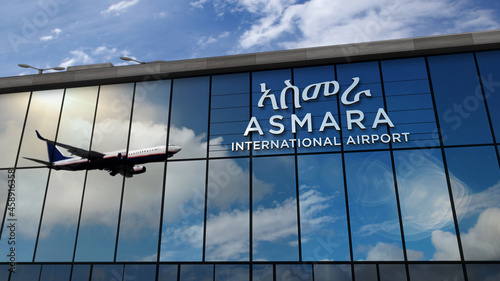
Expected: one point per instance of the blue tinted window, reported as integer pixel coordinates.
(365, 272)
(25, 272)
(197, 272)
(146, 272)
(490, 78)
(228, 272)
(294, 272)
(55, 272)
(480, 272)
(80, 272)
(262, 272)
(326, 272)
(106, 272)
(435, 272)
(168, 272)
(461, 109)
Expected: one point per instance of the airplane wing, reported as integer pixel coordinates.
(91, 155)
(38, 161)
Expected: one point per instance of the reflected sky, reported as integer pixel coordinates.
(12, 113)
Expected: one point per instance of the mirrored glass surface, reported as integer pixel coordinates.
(106, 272)
(80, 272)
(317, 99)
(462, 115)
(167, 272)
(26, 272)
(271, 128)
(475, 182)
(227, 272)
(30, 191)
(55, 272)
(390, 272)
(435, 272)
(13, 109)
(184, 211)
(274, 209)
(490, 79)
(229, 113)
(323, 218)
(189, 118)
(4, 272)
(294, 272)
(146, 272)
(43, 115)
(228, 210)
(340, 272)
(375, 229)
(483, 272)
(103, 189)
(409, 102)
(262, 272)
(197, 272)
(425, 205)
(365, 272)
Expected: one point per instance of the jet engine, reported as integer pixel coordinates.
(137, 169)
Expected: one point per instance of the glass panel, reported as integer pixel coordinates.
(375, 230)
(475, 181)
(435, 272)
(228, 220)
(462, 115)
(81, 272)
(55, 272)
(490, 78)
(323, 218)
(274, 82)
(43, 116)
(196, 272)
(12, 113)
(102, 193)
(141, 207)
(4, 272)
(483, 272)
(143, 272)
(409, 102)
(26, 272)
(262, 272)
(363, 114)
(337, 272)
(167, 272)
(189, 119)
(390, 272)
(425, 206)
(184, 211)
(294, 272)
(229, 272)
(106, 272)
(8, 179)
(64, 196)
(320, 107)
(274, 210)
(30, 190)
(365, 272)
(230, 113)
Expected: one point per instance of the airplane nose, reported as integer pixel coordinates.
(174, 148)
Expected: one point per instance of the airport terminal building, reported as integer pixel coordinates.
(370, 161)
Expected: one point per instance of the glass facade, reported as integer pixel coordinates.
(378, 170)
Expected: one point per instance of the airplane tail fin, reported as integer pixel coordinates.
(54, 153)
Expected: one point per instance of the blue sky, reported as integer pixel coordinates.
(51, 33)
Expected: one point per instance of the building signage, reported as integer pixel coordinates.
(354, 118)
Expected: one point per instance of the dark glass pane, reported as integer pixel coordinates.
(490, 78)
(230, 113)
(189, 119)
(262, 272)
(409, 102)
(167, 272)
(26, 272)
(375, 230)
(274, 209)
(184, 209)
(81, 272)
(196, 272)
(55, 272)
(64, 196)
(323, 216)
(392, 272)
(483, 272)
(102, 192)
(365, 272)
(4, 272)
(228, 211)
(272, 106)
(309, 81)
(435, 272)
(294, 272)
(337, 272)
(12, 113)
(143, 272)
(425, 205)
(106, 272)
(229, 272)
(475, 181)
(461, 109)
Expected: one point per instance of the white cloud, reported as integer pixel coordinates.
(391, 252)
(120, 7)
(84, 56)
(54, 34)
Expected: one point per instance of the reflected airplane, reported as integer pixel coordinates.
(116, 162)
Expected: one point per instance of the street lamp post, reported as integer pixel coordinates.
(137, 61)
(40, 70)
